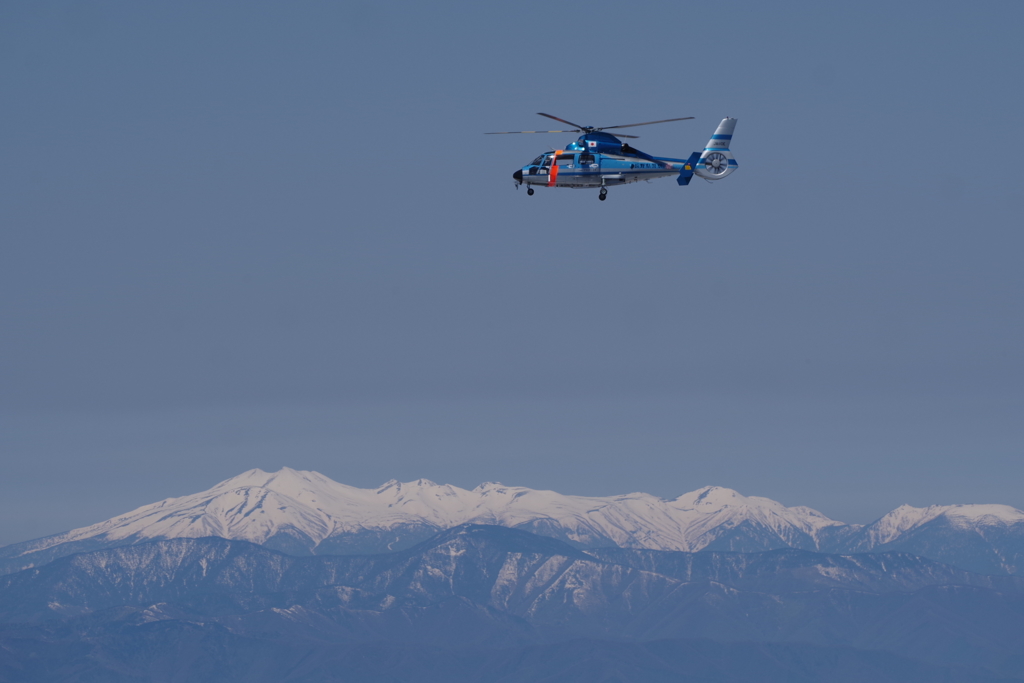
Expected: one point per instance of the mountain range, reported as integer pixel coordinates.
(290, 576)
(489, 603)
(306, 513)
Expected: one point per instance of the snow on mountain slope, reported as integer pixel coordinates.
(709, 510)
(298, 510)
(906, 518)
(304, 513)
(986, 539)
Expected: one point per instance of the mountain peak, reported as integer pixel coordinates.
(906, 518)
(985, 514)
(253, 477)
(283, 477)
(712, 496)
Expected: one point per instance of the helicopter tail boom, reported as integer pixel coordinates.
(717, 161)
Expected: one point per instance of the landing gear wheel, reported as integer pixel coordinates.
(529, 191)
(604, 194)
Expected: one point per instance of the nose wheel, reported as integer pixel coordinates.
(529, 191)
(604, 194)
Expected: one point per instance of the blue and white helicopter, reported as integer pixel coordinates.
(599, 159)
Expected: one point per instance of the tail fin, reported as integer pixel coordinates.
(717, 161)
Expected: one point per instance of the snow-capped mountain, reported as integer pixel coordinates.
(988, 539)
(905, 518)
(307, 513)
(303, 513)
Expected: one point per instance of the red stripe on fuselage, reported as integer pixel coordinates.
(553, 172)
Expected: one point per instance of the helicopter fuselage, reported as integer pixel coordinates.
(596, 160)
(579, 169)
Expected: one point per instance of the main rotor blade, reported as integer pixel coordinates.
(516, 132)
(562, 120)
(512, 132)
(647, 123)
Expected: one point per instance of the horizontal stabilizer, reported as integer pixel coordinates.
(686, 173)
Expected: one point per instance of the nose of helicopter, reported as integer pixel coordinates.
(518, 175)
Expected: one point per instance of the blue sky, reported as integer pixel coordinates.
(239, 235)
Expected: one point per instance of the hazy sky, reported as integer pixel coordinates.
(238, 235)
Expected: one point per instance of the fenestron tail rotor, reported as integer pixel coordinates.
(588, 129)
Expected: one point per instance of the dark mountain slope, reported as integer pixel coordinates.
(500, 588)
(796, 570)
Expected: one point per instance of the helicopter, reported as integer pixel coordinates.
(599, 159)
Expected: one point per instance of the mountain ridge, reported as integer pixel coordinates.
(489, 586)
(306, 513)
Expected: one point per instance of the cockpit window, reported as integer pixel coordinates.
(537, 162)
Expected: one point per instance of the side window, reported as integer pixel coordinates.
(565, 159)
(586, 159)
